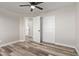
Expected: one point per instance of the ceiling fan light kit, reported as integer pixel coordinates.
(33, 7)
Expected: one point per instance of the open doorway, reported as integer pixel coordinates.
(40, 29)
(28, 28)
(32, 28)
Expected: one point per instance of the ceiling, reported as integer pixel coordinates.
(47, 6)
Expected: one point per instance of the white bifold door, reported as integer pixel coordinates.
(48, 29)
(36, 29)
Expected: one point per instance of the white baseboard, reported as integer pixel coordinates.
(69, 46)
(65, 45)
(10, 43)
(77, 50)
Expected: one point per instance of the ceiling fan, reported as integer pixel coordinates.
(33, 5)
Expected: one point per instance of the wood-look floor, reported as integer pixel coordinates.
(30, 48)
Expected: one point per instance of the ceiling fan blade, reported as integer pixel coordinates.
(31, 3)
(38, 3)
(35, 3)
(23, 5)
(39, 7)
(31, 10)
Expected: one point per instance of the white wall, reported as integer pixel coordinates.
(22, 29)
(77, 26)
(64, 25)
(9, 27)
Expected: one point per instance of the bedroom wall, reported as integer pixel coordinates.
(64, 25)
(9, 27)
(77, 27)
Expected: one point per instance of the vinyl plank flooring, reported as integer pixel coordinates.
(22, 51)
(31, 48)
(65, 51)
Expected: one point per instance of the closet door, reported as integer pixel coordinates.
(49, 29)
(36, 29)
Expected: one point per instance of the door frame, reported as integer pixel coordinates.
(41, 29)
(22, 25)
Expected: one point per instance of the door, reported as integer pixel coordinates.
(36, 29)
(48, 29)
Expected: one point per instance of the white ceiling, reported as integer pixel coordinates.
(47, 6)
